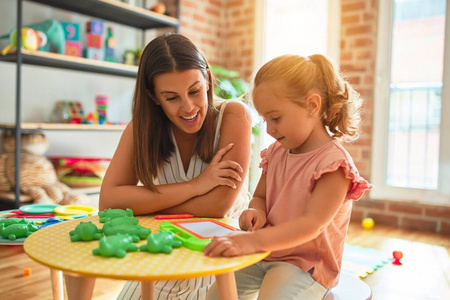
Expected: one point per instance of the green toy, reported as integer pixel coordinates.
(12, 221)
(161, 242)
(196, 234)
(117, 245)
(112, 213)
(16, 231)
(126, 225)
(85, 231)
(53, 33)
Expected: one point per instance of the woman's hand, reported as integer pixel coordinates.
(233, 244)
(218, 173)
(252, 219)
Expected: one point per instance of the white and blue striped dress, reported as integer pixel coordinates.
(173, 172)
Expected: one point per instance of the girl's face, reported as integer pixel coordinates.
(183, 97)
(287, 122)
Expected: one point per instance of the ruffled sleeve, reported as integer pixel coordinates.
(264, 162)
(358, 185)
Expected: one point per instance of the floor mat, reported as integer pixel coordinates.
(361, 262)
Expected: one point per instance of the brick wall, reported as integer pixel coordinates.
(357, 61)
(224, 30)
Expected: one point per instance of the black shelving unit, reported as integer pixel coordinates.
(109, 10)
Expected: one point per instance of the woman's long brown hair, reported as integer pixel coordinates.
(151, 128)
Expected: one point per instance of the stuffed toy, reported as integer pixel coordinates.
(37, 174)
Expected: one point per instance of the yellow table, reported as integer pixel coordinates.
(51, 246)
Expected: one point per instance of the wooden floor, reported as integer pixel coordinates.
(425, 273)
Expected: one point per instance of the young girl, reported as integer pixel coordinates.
(301, 207)
(189, 153)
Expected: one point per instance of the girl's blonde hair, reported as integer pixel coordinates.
(341, 104)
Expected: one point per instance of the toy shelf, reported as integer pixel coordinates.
(115, 11)
(55, 60)
(66, 127)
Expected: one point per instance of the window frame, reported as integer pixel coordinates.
(381, 112)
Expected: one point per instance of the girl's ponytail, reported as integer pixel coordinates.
(341, 103)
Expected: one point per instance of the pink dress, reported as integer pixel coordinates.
(290, 179)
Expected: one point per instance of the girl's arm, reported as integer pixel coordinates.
(255, 216)
(324, 203)
(236, 129)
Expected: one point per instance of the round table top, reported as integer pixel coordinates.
(51, 246)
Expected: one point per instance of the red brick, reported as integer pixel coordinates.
(438, 211)
(384, 219)
(408, 208)
(371, 204)
(357, 215)
(198, 17)
(445, 227)
(212, 11)
(364, 54)
(362, 29)
(352, 6)
(362, 42)
(189, 4)
(418, 224)
(350, 19)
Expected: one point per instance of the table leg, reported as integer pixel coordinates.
(226, 286)
(57, 284)
(147, 290)
(79, 288)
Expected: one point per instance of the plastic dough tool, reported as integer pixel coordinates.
(69, 210)
(38, 208)
(196, 234)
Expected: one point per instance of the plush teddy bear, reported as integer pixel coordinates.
(37, 174)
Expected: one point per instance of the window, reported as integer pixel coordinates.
(411, 132)
(292, 27)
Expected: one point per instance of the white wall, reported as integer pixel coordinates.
(42, 87)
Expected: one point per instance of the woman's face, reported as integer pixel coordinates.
(183, 98)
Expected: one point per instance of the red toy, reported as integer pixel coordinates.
(397, 256)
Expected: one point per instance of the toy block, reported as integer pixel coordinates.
(95, 27)
(110, 54)
(94, 53)
(73, 48)
(71, 31)
(94, 41)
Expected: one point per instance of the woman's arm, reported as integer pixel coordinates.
(120, 190)
(236, 128)
(324, 203)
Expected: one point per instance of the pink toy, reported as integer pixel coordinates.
(101, 101)
(397, 256)
(73, 48)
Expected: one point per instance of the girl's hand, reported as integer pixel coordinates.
(233, 244)
(218, 173)
(252, 219)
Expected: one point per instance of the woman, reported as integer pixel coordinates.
(190, 154)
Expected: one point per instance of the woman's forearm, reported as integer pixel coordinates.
(144, 201)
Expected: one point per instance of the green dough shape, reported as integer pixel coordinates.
(161, 242)
(112, 213)
(16, 231)
(126, 225)
(85, 231)
(115, 246)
